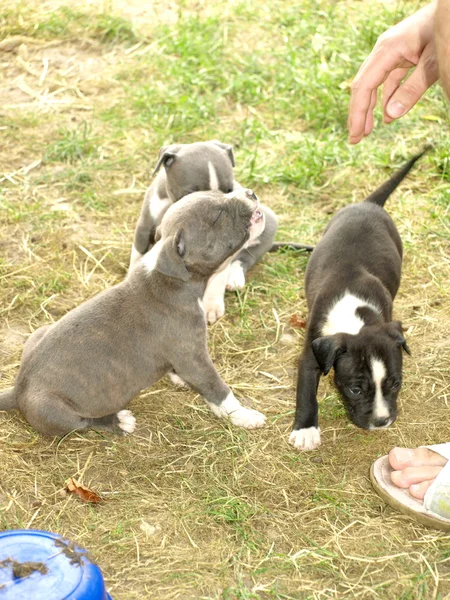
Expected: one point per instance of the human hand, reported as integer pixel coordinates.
(408, 44)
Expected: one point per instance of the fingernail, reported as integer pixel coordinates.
(415, 487)
(403, 454)
(396, 109)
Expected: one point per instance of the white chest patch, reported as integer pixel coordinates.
(342, 317)
(380, 408)
(158, 207)
(213, 180)
(149, 259)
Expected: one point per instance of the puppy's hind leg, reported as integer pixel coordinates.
(122, 422)
(51, 415)
(251, 255)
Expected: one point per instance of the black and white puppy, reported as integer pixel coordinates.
(351, 280)
(186, 168)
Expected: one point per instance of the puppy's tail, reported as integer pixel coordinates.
(278, 245)
(380, 195)
(8, 399)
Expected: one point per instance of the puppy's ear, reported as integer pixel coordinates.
(326, 350)
(395, 330)
(166, 157)
(158, 233)
(229, 150)
(170, 259)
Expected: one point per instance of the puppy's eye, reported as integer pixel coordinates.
(217, 216)
(230, 190)
(355, 391)
(395, 385)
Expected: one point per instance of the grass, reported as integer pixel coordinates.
(195, 508)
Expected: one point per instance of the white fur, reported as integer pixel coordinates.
(238, 414)
(305, 439)
(150, 259)
(342, 317)
(135, 257)
(158, 207)
(380, 408)
(213, 300)
(176, 379)
(127, 422)
(256, 230)
(236, 276)
(213, 180)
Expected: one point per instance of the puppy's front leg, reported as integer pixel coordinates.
(199, 372)
(213, 300)
(152, 211)
(306, 433)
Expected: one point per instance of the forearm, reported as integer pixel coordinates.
(442, 41)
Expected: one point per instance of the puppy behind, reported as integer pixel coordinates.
(82, 371)
(186, 168)
(351, 280)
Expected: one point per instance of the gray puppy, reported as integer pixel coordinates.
(82, 371)
(188, 168)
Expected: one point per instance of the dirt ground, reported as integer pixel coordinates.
(195, 508)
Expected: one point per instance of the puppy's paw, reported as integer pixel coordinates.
(176, 380)
(305, 439)
(236, 276)
(214, 308)
(127, 422)
(247, 418)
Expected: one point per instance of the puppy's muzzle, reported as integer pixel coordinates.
(256, 217)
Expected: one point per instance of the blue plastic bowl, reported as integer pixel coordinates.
(39, 565)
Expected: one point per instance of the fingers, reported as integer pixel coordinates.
(407, 44)
(413, 88)
(369, 118)
(374, 71)
(390, 86)
(400, 458)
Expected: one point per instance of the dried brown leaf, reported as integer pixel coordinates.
(297, 322)
(84, 493)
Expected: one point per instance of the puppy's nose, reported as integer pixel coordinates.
(382, 422)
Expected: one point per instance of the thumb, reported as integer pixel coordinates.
(413, 88)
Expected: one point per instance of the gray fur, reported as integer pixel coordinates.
(182, 169)
(83, 370)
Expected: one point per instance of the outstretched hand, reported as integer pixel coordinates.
(408, 44)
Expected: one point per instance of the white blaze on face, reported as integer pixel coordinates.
(342, 317)
(213, 180)
(380, 407)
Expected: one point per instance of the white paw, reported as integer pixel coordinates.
(236, 276)
(305, 439)
(214, 308)
(247, 418)
(127, 422)
(176, 379)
